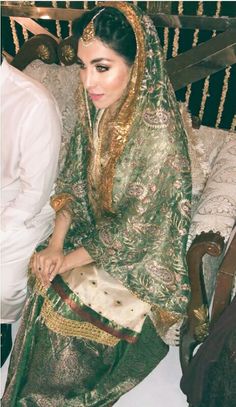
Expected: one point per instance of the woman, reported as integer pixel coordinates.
(113, 278)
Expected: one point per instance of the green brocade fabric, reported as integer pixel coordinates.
(51, 370)
(131, 212)
(141, 239)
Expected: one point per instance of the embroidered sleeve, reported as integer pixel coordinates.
(144, 243)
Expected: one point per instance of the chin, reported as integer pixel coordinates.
(101, 105)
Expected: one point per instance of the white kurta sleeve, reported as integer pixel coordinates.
(38, 134)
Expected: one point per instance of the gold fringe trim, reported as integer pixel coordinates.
(56, 323)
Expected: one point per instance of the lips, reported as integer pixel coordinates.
(94, 96)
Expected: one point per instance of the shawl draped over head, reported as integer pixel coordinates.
(130, 198)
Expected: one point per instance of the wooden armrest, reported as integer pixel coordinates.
(41, 46)
(196, 327)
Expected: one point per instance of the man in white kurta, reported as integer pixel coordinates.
(30, 143)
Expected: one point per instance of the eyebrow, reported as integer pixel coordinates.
(96, 60)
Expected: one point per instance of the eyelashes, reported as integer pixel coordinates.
(99, 67)
(102, 68)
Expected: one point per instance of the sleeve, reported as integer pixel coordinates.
(40, 136)
(144, 243)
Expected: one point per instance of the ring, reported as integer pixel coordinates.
(39, 268)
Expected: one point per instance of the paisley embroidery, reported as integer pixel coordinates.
(137, 189)
(156, 118)
(160, 273)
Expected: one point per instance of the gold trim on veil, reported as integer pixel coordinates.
(126, 113)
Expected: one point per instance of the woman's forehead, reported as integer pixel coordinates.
(95, 50)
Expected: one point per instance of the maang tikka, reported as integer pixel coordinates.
(88, 35)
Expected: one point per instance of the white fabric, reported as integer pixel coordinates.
(216, 209)
(30, 143)
(107, 296)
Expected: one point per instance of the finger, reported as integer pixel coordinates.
(55, 270)
(46, 269)
(40, 269)
(51, 274)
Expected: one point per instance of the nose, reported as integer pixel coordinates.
(89, 79)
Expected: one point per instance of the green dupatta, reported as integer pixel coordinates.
(133, 219)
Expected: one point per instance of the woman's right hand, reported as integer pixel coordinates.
(46, 262)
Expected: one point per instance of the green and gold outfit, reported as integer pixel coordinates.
(96, 332)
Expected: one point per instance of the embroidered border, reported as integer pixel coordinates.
(66, 327)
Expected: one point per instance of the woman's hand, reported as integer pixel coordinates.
(76, 258)
(47, 263)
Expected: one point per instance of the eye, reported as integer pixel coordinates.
(102, 68)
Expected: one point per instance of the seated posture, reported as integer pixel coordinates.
(31, 132)
(112, 282)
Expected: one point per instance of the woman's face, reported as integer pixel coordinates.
(104, 73)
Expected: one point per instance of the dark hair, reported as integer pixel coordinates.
(112, 28)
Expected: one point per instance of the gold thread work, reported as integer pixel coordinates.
(126, 113)
(88, 35)
(57, 323)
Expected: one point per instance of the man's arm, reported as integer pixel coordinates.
(39, 138)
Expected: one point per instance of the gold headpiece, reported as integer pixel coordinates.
(88, 35)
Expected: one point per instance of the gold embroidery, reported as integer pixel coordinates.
(89, 31)
(59, 201)
(125, 115)
(163, 319)
(39, 288)
(66, 327)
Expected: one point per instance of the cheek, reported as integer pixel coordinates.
(117, 81)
